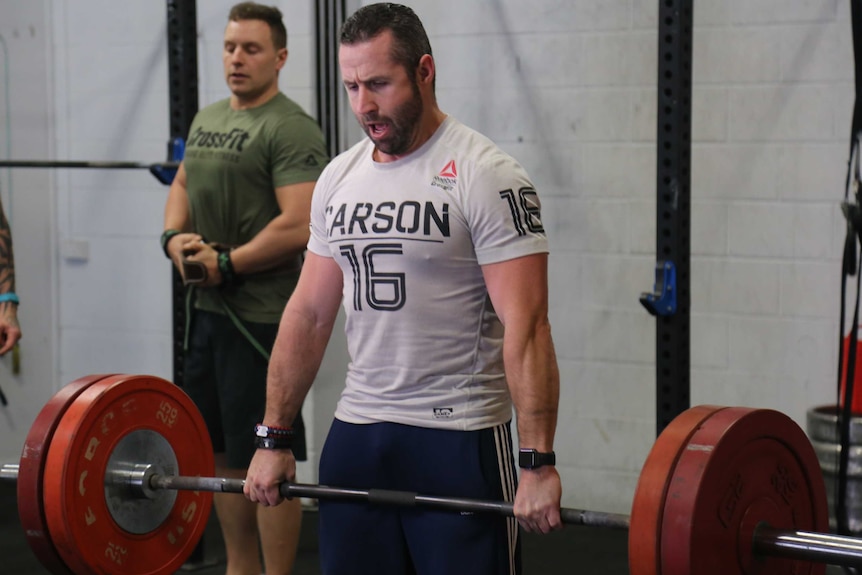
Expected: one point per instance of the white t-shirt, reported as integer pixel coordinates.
(410, 236)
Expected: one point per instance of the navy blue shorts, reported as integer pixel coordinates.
(226, 378)
(358, 538)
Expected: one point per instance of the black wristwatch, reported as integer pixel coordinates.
(532, 459)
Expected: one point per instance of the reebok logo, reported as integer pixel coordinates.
(447, 178)
(443, 412)
(449, 170)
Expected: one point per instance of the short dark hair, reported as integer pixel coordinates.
(269, 14)
(411, 41)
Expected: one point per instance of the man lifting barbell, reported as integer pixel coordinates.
(431, 237)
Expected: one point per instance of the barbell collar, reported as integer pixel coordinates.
(132, 480)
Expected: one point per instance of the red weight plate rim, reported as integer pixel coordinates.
(31, 467)
(689, 499)
(83, 530)
(648, 503)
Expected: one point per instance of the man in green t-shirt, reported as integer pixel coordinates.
(236, 226)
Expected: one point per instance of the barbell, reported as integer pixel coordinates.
(115, 477)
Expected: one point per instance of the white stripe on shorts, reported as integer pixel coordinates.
(508, 479)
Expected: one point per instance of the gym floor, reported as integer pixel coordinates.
(592, 550)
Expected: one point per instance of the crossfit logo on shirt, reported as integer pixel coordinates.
(447, 178)
(233, 140)
(223, 146)
(443, 412)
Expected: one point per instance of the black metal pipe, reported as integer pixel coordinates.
(75, 164)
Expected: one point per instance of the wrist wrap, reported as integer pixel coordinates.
(166, 237)
(229, 277)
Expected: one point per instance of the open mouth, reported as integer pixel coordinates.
(377, 129)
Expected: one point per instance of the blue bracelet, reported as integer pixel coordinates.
(9, 296)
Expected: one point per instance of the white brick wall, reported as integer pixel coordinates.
(772, 99)
(744, 13)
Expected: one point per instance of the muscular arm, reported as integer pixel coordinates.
(281, 240)
(302, 337)
(284, 238)
(303, 334)
(519, 291)
(7, 259)
(10, 331)
(177, 205)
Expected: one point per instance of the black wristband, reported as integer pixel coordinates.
(533, 459)
(166, 237)
(225, 267)
(273, 442)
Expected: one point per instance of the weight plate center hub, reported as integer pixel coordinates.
(132, 504)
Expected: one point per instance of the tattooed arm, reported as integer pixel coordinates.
(10, 331)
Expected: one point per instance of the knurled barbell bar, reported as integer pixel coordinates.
(115, 478)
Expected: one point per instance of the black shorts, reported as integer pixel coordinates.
(363, 538)
(226, 378)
